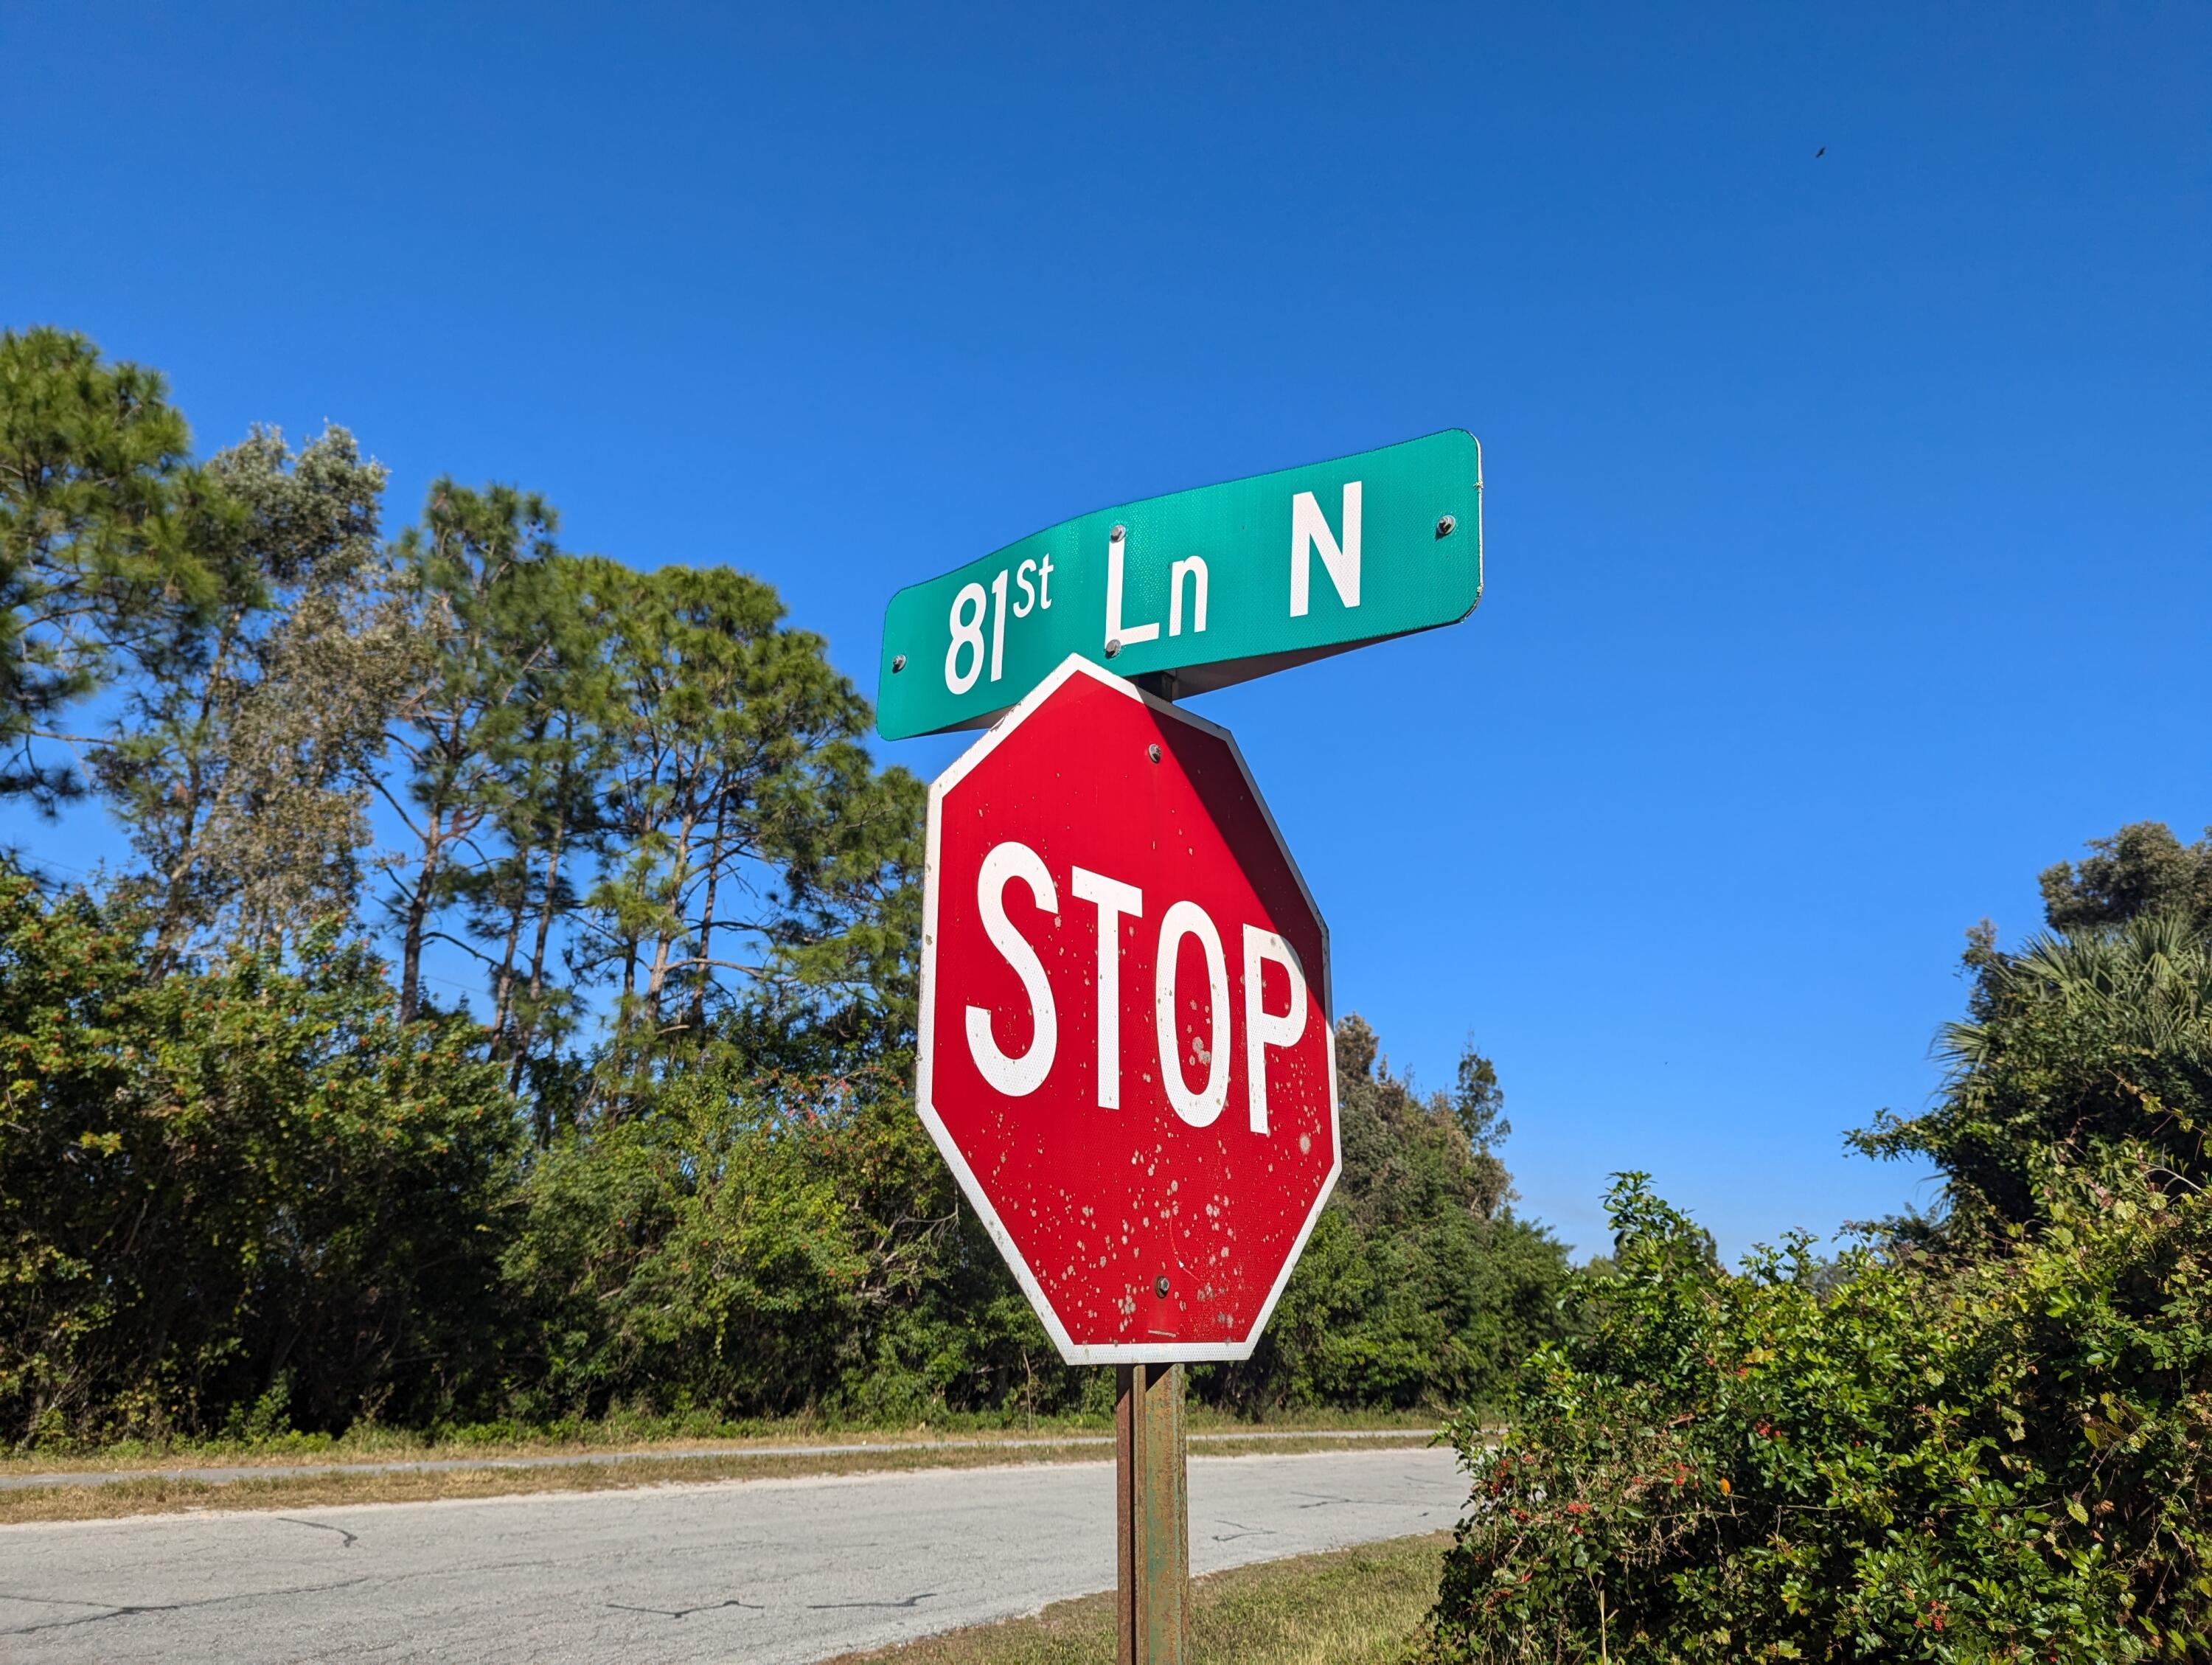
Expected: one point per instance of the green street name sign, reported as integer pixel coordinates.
(1214, 586)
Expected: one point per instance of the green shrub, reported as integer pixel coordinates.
(763, 1244)
(1979, 1437)
(760, 1246)
(1998, 1458)
(1419, 1286)
(248, 1204)
(242, 1199)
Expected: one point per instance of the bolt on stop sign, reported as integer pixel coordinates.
(1126, 1048)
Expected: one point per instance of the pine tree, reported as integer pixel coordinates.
(243, 772)
(105, 529)
(475, 577)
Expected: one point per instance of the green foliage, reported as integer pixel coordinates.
(103, 530)
(243, 771)
(734, 760)
(213, 1183)
(741, 1245)
(476, 576)
(2141, 869)
(1978, 1438)
(762, 1244)
(1997, 1458)
(1418, 1286)
(646, 786)
(2078, 1041)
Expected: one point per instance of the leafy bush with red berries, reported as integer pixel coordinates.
(1890, 1457)
(1984, 1437)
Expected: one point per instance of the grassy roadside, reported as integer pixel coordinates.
(1352, 1606)
(642, 1434)
(296, 1487)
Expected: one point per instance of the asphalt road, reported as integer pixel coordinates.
(758, 1571)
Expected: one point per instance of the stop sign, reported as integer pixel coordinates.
(1126, 1053)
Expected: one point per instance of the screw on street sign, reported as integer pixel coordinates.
(1217, 585)
(1126, 1053)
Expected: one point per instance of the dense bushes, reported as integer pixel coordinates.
(1419, 1286)
(2002, 1458)
(759, 1246)
(250, 1186)
(2080, 1042)
(251, 1197)
(1980, 1436)
(769, 1245)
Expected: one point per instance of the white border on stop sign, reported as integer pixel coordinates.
(1115, 1353)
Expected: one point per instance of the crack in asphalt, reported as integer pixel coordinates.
(123, 1610)
(351, 1538)
(554, 1558)
(685, 1612)
(1244, 1531)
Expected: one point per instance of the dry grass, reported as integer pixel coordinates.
(642, 1436)
(299, 1488)
(1353, 1607)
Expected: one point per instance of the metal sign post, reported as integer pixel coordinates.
(1151, 1495)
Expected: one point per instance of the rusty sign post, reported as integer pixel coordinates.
(1152, 1509)
(1126, 1054)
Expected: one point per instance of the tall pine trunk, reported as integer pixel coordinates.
(417, 918)
(707, 914)
(547, 903)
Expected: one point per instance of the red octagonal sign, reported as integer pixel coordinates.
(1125, 1047)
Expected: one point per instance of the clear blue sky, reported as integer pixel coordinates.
(1850, 558)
